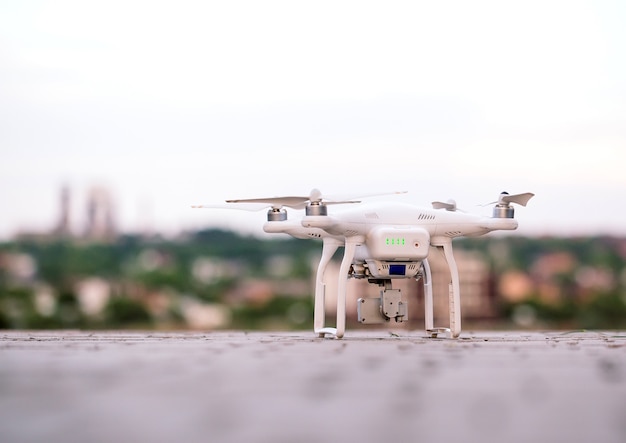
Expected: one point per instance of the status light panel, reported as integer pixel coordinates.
(407, 244)
(399, 241)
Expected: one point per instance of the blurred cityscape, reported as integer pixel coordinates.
(99, 278)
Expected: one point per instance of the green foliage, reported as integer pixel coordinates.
(4, 321)
(555, 314)
(126, 312)
(280, 312)
(18, 311)
(602, 311)
(68, 311)
(214, 292)
(16, 308)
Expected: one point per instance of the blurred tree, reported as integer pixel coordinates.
(122, 311)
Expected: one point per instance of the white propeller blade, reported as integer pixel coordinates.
(293, 201)
(505, 198)
(520, 199)
(450, 205)
(300, 202)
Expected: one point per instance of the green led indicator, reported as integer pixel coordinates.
(400, 241)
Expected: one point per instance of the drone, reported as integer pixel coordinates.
(382, 241)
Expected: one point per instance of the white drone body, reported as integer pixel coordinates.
(383, 241)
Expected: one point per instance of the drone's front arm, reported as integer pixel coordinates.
(293, 228)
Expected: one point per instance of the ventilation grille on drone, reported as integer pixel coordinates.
(426, 217)
(453, 233)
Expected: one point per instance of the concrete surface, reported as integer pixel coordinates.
(371, 386)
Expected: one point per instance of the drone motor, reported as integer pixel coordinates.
(316, 208)
(503, 208)
(276, 214)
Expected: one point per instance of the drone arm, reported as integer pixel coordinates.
(329, 247)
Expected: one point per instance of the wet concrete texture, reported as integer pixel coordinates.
(75, 386)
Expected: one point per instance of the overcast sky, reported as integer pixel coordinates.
(169, 104)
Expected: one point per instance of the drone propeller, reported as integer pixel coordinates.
(520, 199)
(449, 205)
(294, 202)
(503, 208)
(505, 199)
(315, 204)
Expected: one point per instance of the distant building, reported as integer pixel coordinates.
(100, 215)
(63, 227)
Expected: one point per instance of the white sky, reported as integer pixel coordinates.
(175, 103)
